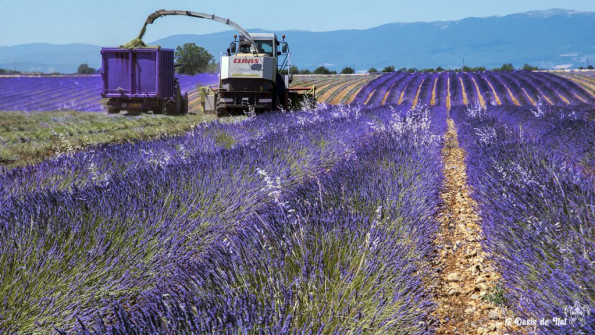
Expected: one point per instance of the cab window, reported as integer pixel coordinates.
(265, 47)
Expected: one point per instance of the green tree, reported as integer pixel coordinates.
(348, 70)
(528, 67)
(505, 67)
(5, 71)
(372, 70)
(85, 69)
(193, 59)
(323, 70)
(292, 69)
(389, 68)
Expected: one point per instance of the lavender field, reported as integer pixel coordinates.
(320, 221)
(81, 93)
(449, 89)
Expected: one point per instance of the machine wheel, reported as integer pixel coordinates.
(186, 103)
(222, 112)
(179, 100)
(179, 104)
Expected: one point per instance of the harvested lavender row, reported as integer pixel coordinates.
(537, 216)
(347, 252)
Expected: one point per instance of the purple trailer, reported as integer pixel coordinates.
(142, 79)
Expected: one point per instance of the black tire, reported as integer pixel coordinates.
(113, 110)
(179, 103)
(170, 107)
(186, 103)
(158, 109)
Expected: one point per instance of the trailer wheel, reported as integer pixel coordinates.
(170, 107)
(158, 109)
(113, 110)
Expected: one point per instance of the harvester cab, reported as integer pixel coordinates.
(266, 44)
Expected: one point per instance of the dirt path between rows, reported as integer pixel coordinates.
(466, 276)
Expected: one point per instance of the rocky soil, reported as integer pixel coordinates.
(466, 275)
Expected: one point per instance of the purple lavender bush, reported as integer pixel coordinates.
(395, 91)
(386, 87)
(346, 252)
(369, 88)
(536, 210)
(234, 237)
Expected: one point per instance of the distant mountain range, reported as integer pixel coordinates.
(549, 39)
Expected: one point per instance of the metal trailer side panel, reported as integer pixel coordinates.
(145, 74)
(116, 72)
(166, 73)
(138, 73)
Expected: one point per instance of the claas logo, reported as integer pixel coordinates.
(246, 61)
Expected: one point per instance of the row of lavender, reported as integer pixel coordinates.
(480, 88)
(532, 174)
(82, 93)
(100, 164)
(345, 253)
(280, 226)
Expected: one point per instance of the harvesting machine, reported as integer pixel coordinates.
(250, 75)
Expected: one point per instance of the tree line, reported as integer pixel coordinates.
(192, 59)
(390, 68)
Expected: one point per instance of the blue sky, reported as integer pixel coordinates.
(113, 22)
